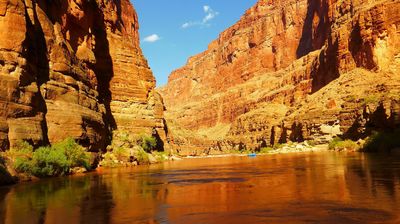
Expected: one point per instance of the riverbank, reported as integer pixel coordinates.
(130, 155)
(8, 175)
(282, 149)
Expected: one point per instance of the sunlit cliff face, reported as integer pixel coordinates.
(261, 81)
(74, 69)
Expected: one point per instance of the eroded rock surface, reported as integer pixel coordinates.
(290, 71)
(73, 68)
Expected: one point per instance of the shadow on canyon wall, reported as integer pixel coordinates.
(378, 121)
(314, 38)
(38, 68)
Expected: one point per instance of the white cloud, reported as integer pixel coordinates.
(152, 38)
(186, 25)
(210, 14)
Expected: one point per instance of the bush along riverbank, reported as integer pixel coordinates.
(132, 150)
(63, 158)
(384, 142)
(24, 163)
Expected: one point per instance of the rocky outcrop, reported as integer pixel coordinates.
(73, 68)
(290, 71)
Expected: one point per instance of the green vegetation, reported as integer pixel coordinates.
(265, 150)
(311, 143)
(109, 160)
(237, 151)
(371, 99)
(46, 162)
(339, 144)
(161, 156)
(148, 143)
(278, 146)
(121, 153)
(233, 151)
(127, 149)
(382, 141)
(49, 161)
(142, 157)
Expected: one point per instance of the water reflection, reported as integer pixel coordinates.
(306, 188)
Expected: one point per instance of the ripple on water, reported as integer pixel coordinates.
(206, 181)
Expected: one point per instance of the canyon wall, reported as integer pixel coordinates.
(73, 68)
(290, 71)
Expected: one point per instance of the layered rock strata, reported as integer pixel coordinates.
(73, 68)
(267, 78)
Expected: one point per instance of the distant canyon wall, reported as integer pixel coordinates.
(73, 68)
(290, 71)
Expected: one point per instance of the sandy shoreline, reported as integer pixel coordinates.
(297, 148)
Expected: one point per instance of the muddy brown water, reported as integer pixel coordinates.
(323, 187)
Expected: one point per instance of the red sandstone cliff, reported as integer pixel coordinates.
(289, 71)
(73, 68)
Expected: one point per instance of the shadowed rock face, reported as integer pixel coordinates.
(287, 70)
(73, 68)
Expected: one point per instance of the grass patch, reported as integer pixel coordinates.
(266, 150)
(339, 144)
(382, 141)
(233, 151)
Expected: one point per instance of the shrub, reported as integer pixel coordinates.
(161, 156)
(23, 165)
(76, 155)
(109, 160)
(48, 162)
(53, 160)
(23, 147)
(339, 144)
(142, 157)
(383, 141)
(334, 142)
(123, 139)
(148, 143)
(121, 154)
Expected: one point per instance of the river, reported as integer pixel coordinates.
(324, 187)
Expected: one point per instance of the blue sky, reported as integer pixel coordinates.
(172, 31)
